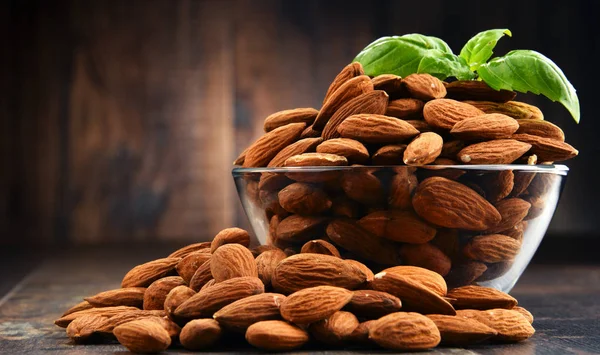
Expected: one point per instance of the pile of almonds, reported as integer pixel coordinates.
(204, 294)
(395, 200)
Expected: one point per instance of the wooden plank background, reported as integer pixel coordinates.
(120, 119)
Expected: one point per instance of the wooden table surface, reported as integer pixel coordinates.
(565, 301)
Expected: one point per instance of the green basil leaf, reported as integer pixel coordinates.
(400, 55)
(443, 65)
(479, 48)
(524, 70)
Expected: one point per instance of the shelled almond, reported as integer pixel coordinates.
(315, 297)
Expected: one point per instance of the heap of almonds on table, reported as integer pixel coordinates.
(466, 225)
(205, 295)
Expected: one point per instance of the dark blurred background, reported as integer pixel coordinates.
(120, 119)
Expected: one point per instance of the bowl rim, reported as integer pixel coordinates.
(557, 169)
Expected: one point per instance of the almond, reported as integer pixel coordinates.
(201, 276)
(389, 155)
(308, 270)
(300, 229)
(499, 151)
(354, 151)
(81, 306)
(107, 312)
(399, 226)
(420, 125)
(373, 304)
(364, 187)
(316, 159)
(497, 185)
(495, 270)
(310, 132)
(521, 181)
(405, 108)
(492, 248)
(514, 109)
(232, 260)
(352, 237)
(344, 207)
(350, 71)
(510, 325)
(488, 126)
(541, 128)
(155, 295)
(143, 275)
(347, 91)
(414, 295)
(240, 159)
(525, 313)
(447, 240)
(516, 232)
(109, 324)
(297, 115)
(319, 246)
(129, 296)
(450, 204)
(302, 146)
(405, 331)
(360, 334)
(176, 297)
(143, 336)
(276, 335)
(376, 129)
(459, 331)
(200, 334)
(445, 113)
(424, 149)
(313, 304)
(261, 152)
(230, 236)
(479, 297)
(427, 278)
(362, 267)
(424, 87)
(512, 210)
(84, 327)
(433, 170)
(266, 263)
(465, 273)
(427, 256)
(547, 149)
(390, 83)
(374, 102)
(241, 314)
(187, 267)
(206, 302)
(334, 329)
(304, 199)
(401, 188)
(180, 253)
(451, 148)
(208, 284)
(477, 90)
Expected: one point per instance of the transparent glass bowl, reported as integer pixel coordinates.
(473, 224)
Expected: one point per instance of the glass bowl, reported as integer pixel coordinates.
(473, 224)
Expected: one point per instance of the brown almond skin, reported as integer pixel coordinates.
(305, 115)
(541, 128)
(109, 324)
(83, 328)
(390, 83)
(232, 260)
(362, 267)
(261, 152)
(348, 72)
(176, 297)
(143, 275)
(512, 210)
(451, 148)
(230, 236)
(459, 331)
(64, 321)
(201, 276)
(547, 149)
(477, 90)
(182, 252)
(304, 145)
(316, 159)
(266, 263)
(525, 313)
(334, 329)
(405, 331)
(399, 226)
(511, 326)
(129, 296)
(310, 132)
(200, 334)
(363, 186)
(479, 297)
(81, 306)
(391, 154)
(371, 304)
(427, 278)
(143, 336)
(424, 149)
(427, 256)
(424, 87)
(347, 91)
(465, 273)
(300, 229)
(445, 113)
(241, 314)
(313, 304)
(308, 270)
(376, 129)
(360, 335)
(401, 188)
(353, 150)
(320, 246)
(514, 109)
(405, 108)
(206, 302)
(492, 248)
(156, 293)
(453, 205)
(499, 151)
(187, 267)
(488, 126)
(276, 335)
(304, 199)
